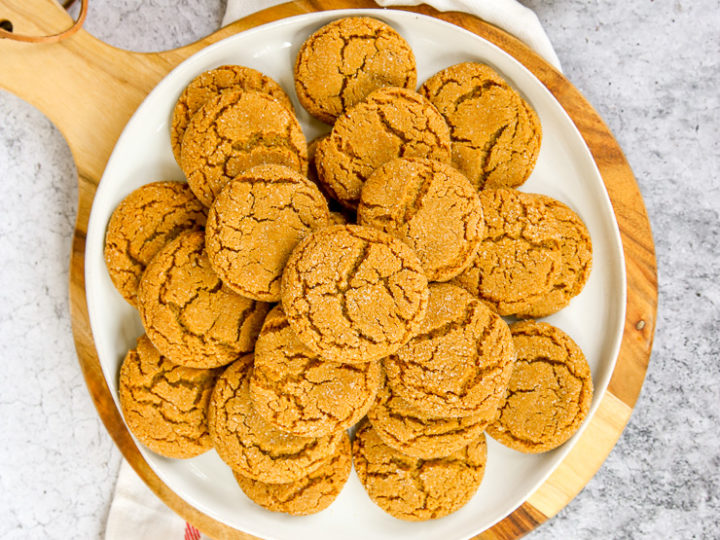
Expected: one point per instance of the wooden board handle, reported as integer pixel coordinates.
(85, 87)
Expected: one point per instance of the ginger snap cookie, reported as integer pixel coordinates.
(353, 294)
(520, 260)
(165, 405)
(255, 223)
(410, 431)
(549, 393)
(297, 392)
(495, 133)
(337, 218)
(459, 362)
(344, 61)
(308, 495)
(415, 489)
(431, 207)
(142, 224)
(312, 169)
(390, 123)
(251, 446)
(575, 260)
(187, 312)
(208, 85)
(235, 131)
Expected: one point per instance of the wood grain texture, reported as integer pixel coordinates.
(90, 90)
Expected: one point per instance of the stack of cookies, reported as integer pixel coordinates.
(289, 294)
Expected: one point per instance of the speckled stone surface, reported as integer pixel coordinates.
(652, 70)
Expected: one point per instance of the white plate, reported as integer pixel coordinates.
(565, 170)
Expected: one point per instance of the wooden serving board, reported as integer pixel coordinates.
(90, 90)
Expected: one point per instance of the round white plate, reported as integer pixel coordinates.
(565, 170)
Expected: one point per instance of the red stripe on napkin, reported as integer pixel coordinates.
(191, 533)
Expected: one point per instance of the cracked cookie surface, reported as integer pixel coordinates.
(235, 131)
(460, 360)
(187, 312)
(165, 405)
(431, 207)
(550, 390)
(520, 258)
(411, 432)
(146, 220)
(251, 446)
(308, 495)
(208, 85)
(344, 61)
(353, 294)
(390, 123)
(297, 392)
(255, 223)
(495, 133)
(575, 260)
(416, 489)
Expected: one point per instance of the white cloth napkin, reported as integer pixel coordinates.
(509, 15)
(135, 512)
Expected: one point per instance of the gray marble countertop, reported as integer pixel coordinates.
(651, 69)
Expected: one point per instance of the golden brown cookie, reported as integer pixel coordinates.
(415, 489)
(144, 222)
(410, 431)
(308, 495)
(520, 260)
(187, 312)
(337, 218)
(165, 405)
(251, 446)
(344, 61)
(459, 362)
(255, 223)
(312, 169)
(495, 133)
(549, 393)
(208, 85)
(297, 392)
(390, 123)
(353, 294)
(431, 207)
(234, 131)
(575, 260)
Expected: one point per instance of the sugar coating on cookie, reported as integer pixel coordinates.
(431, 207)
(344, 61)
(308, 495)
(415, 489)
(575, 260)
(520, 259)
(353, 294)
(390, 123)
(165, 405)
(550, 390)
(253, 447)
(297, 392)
(235, 131)
(187, 312)
(495, 133)
(255, 223)
(411, 431)
(208, 85)
(460, 360)
(146, 220)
